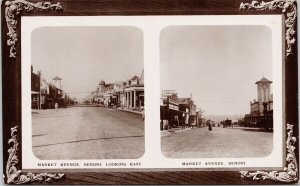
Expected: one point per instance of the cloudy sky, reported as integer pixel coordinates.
(82, 56)
(218, 65)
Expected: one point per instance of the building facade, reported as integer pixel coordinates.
(128, 94)
(134, 93)
(177, 112)
(261, 109)
(170, 115)
(35, 89)
(44, 95)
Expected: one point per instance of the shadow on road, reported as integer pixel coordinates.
(253, 129)
(38, 135)
(93, 139)
(258, 130)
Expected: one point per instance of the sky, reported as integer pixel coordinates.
(82, 56)
(218, 65)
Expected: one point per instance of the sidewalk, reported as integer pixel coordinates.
(35, 111)
(252, 129)
(174, 130)
(183, 130)
(129, 110)
(48, 112)
(164, 133)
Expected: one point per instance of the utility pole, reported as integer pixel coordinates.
(168, 112)
(40, 94)
(201, 111)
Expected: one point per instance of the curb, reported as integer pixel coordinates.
(130, 111)
(183, 130)
(164, 133)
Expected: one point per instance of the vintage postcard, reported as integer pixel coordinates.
(133, 92)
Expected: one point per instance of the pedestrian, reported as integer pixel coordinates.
(186, 123)
(209, 125)
(109, 103)
(56, 106)
(165, 124)
(143, 113)
(176, 121)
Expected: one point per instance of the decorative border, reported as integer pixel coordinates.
(289, 8)
(14, 175)
(14, 8)
(289, 173)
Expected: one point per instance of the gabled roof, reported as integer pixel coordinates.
(53, 86)
(184, 100)
(119, 83)
(102, 82)
(263, 80)
(134, 78)
(56, 78)
(109, 85)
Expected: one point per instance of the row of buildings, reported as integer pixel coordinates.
(182, 112)
(45, 95)
(178, 112)
(125, 94)
(261, 109)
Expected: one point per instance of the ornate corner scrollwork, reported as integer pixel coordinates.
(289, 8)
(289, 173)
(14, 175)
(14, 8)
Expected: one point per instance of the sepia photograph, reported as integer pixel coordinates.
(87, 92)
(82, 83)
(216, 91)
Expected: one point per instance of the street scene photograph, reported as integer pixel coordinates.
(216, 86)
(87, 93)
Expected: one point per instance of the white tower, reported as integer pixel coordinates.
(263, 93)
(263, 90)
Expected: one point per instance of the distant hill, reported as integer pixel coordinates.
(219, 118)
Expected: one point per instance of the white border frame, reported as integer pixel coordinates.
(152, 79)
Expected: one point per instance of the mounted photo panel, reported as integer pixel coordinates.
(150, 92)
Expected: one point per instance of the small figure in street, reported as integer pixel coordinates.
(109, 103)
(176, 121)
(183, 121)
(186, 123)
(143, 113)
(165, 124)
(209, 125)
(56, 106)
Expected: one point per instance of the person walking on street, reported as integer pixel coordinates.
(56, 106)
(209, 125)
(183, 121)
(186, 123)
(143, 113)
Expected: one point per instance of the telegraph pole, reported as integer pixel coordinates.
(40, 94)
